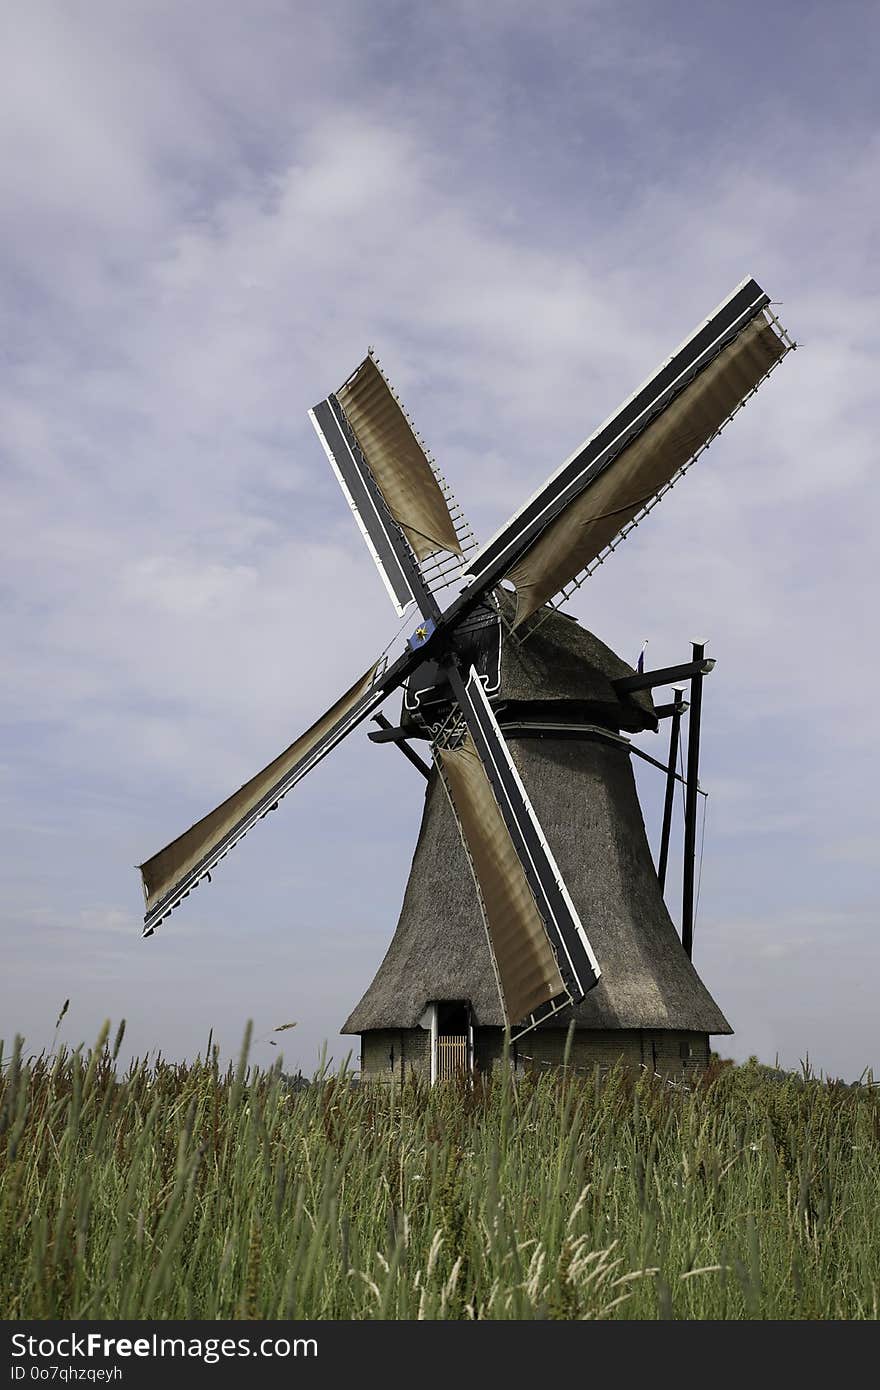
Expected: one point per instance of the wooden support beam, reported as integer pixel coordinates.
(667, 711)
(679, 705)
(667, 675)
(387, 734)
(690, 805)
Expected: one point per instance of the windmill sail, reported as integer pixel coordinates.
(635, 455)
(171, 873)
(386, 476)
(543, 959)
(526, 968)
(397, 461)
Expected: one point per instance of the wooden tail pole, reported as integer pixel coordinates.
(690, 805)
(678, 709)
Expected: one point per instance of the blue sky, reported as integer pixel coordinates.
(209, 212)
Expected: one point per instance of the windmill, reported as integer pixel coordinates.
(526, 715)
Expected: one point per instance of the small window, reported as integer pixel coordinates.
(684, 1050)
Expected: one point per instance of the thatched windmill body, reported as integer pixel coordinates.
(533, 900)
(434, 1004)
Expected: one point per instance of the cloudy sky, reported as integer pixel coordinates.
(208, 213)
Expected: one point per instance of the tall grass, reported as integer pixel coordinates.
(176, 1191)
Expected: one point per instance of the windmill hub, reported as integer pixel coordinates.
(533, 901)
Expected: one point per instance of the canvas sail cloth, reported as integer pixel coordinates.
(397, 461)
(165, 870)
(592, 520)
(525, 964)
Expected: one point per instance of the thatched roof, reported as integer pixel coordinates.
(553, 658)
(584, 794)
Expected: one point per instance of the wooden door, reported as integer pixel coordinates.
(452, 1057)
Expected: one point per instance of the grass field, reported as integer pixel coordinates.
(181, 1191)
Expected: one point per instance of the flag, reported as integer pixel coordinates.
(640, 664)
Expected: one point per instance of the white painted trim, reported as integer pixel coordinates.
(434, 1040)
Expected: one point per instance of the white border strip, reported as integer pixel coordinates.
(358, 518)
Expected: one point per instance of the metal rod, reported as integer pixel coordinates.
(405, 749)
(690, 804)
(677, 708)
